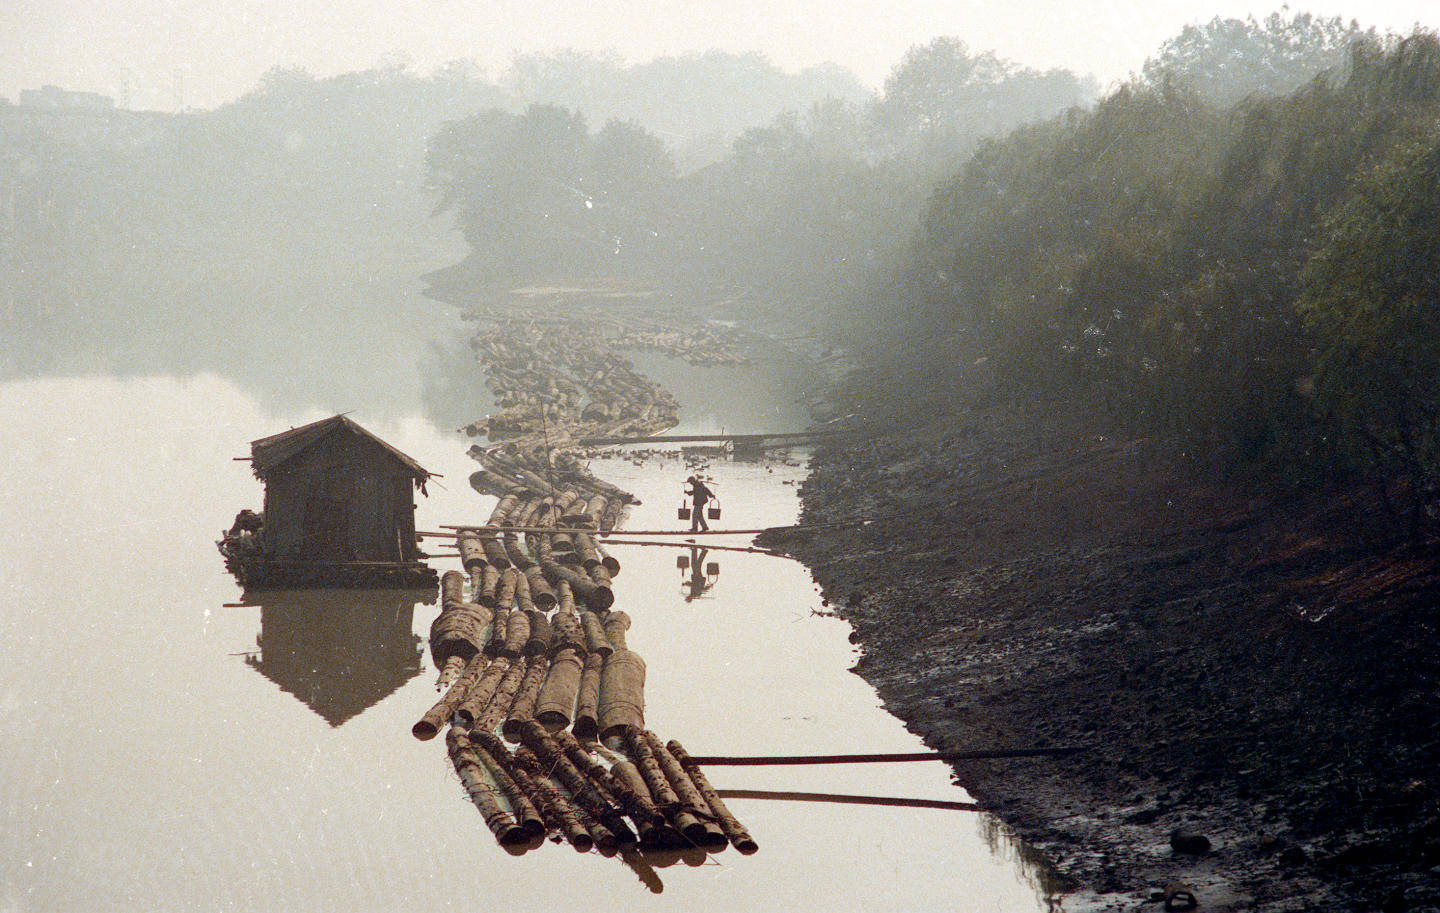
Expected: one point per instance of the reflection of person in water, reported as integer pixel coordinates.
(696, 586)
(699, 497)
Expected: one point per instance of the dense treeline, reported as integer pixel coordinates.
(141, 239)
(800, 211)
(1260, 281)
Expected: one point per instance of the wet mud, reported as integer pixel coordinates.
(1253, 679)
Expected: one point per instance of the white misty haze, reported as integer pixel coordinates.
(211, 51)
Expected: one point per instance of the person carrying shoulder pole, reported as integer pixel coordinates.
(699, 497)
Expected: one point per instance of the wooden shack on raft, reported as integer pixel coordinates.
(339, 511)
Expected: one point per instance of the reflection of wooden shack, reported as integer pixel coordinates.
(339, 652)
(339, 511)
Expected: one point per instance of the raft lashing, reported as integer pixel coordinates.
(543, 698)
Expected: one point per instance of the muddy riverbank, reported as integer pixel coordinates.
(1256, 672)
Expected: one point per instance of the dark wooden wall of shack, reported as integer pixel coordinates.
(342, 499)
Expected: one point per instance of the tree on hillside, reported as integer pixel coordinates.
(1226, 60)
(943, 99)
(630, 188)
(1371, 296)
(515, 182)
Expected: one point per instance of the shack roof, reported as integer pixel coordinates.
(270, 452)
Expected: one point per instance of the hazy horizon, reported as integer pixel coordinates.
(203, 53)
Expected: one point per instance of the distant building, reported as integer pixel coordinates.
(339, 511)
(54, 98)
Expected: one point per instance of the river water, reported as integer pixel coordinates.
(170, 744)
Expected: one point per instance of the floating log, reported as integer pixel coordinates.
(502, 699)
(556, 704)
(541, 633)
(607, 560)
(478, 697)
(616, 624)
(522, 593)
(587, 704)
(566, 631)
(495, 553)
(734, 831)
(517, 633)
(655, 832)
(622, 693)
(452, 588)
(698, 825)
(489, 583)
(624, 780)
(593, 797)
(483, 791)
(505, 591)
(472, 551)
(429, 725)
(563, 769)
(616, 791)
(499, 764)
(531, 777)
(600, 577)
(450, 672)
(523, 709)
(661, 792)
(585, 590)
(459, 630)
(540, 590)
(564, 598)
(586, 551)
(594, 630)
(495, 644)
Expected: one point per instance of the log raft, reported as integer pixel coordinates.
(527, 644)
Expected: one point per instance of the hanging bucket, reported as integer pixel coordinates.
(682, 562)
(713, 512)
(684, 512)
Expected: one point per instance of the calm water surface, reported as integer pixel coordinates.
(169, 744)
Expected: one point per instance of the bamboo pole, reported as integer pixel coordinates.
(896, 757)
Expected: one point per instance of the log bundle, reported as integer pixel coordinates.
(546, 716)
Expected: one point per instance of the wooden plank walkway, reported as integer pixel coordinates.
(776, 436)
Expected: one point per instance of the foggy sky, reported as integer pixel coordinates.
(206, 52)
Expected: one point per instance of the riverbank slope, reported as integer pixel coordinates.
(1257, 671)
